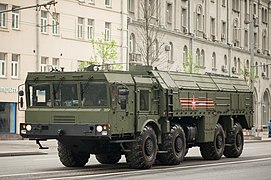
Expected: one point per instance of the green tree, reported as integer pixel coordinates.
(247, 73)
(189, 65)
(104, 54)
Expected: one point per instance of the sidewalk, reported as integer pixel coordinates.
(26, 147)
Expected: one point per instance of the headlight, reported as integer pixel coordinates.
(28, 127)
(99, 128)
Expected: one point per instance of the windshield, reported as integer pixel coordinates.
(93, 94)
(39, 95)
(63, 94)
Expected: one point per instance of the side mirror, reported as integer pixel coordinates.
(21, 93)
(21, 102)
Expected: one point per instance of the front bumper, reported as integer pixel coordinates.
(56, 131)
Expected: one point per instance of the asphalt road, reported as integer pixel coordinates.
(254, 163)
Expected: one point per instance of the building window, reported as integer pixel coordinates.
(255, 9)
(3, 15)
(225, 61)
(199, 21)
(170, 52)
(80, 27)
(90, 28)
(214, 61)
(91, 1)
(7, 117)
(223, 30)
(236, 31)
(15, 65)
(132, 43)
(264, 44)
(236, 5)
(184, 17)
(185, 56)
(107, 3)
(238, 65)
(202, 58)
(43, 64)
(131, 5)
(107, 31)
(256, 69)
(255, 40)
(153, 11)
(213, 26)
(2, 65)
(55, 23)
(44, 20)
(55, 63)
(246, 38)
(224, 3)
(169, 13)
(198, 57)
(15, 18)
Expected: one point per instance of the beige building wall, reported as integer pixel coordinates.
(63, 47)
(219, 30)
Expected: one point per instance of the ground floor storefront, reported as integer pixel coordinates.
(8, 120)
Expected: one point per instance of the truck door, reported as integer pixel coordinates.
(124, 108)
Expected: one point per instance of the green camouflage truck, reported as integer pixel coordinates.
(144, 114)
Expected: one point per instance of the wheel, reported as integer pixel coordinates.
(70, 158)
(175, 145)
(215, 149)
(108, 158)
(236, 141)
(142, 153)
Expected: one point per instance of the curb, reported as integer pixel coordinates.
(21, 154)
(257, 141)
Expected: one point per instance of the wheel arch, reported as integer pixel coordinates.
(152, 123)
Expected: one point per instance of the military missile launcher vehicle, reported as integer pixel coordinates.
(144, 114)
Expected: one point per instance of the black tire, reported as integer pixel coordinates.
(70, 158)
(142, 153)
(108, 158)
(175, 145)
(215, 149)
(236, 141)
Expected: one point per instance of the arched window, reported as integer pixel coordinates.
(256, 69)
(170, 52)
(238, 65)
(185, 54)
(214, 61)
(198, 57)
(225, 61)
(247, 64)
(202, 58)
(132, 43)
(264, 40)
(156, 49)
(235, 62)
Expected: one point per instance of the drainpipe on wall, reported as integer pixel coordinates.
(190, 29)
(229, 36)
(37, 39)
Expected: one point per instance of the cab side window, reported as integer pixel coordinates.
(144, 100)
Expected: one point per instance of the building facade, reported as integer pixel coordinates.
(227, 37)
(51, 36)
